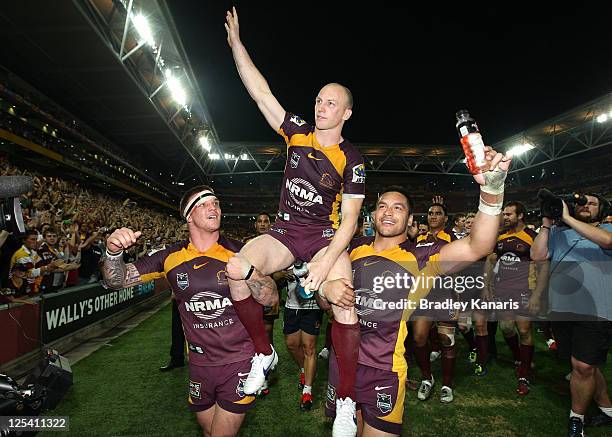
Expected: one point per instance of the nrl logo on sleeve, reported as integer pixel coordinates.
(295, 160)
(383, 402)
(182, 280)
(297, 120)
(359, 174)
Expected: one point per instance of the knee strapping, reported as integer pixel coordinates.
(447, 334)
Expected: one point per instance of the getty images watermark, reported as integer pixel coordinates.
(464, 293)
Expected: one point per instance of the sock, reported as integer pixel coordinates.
(301, 370)
(526, 353)
(606, 411)
(482, 346)
(513, 344)
(422, 359)
(346, 345)
(433, 338)
(579, 416)
(469, 337)
(448, 365)
(250, 314)
(492, 331)
(307, 389)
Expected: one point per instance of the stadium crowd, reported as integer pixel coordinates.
(67, 225)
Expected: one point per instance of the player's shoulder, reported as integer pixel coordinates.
(294, 124)
(360, 241)
(230, 244)
(171, 248)
(446, 236)
(351, 152)
(531, 232)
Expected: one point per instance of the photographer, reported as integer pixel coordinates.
(580, 294)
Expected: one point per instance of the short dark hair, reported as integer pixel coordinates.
(50, 231)
(458, 216)
(519, 207)
(28, 233)
(264, 213)
(190, 192)
(441, 205)
(402, 191)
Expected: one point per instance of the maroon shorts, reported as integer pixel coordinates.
(303, 241)
(379, 395)
(223, 385)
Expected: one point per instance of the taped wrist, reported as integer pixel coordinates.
(494, 185)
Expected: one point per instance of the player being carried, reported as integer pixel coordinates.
(323, 171)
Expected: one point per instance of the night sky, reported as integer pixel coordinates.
(409, 68)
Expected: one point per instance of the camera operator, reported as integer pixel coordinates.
(580, 293)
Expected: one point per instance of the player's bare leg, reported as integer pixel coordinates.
(263, 255)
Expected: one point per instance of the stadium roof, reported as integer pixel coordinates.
(115, 82)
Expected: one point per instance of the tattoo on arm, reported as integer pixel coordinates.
(264, 290)
(119, 275)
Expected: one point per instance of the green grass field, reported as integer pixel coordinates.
(119, 391)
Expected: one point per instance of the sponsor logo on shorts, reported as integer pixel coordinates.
(383, 402)
(359, 174)
(195, 348)
(240, 387)
(326, 181)
(297, 120)
(243, 374)
(377, 388)
(303, 192)
(331, 394)
(207, 305)
(195, 390)
(328, 233)
(182, 280)
(295, 160)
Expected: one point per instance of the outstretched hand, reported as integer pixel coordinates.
(494, 160)
(232, 27)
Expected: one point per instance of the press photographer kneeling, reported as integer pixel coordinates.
(579, 247)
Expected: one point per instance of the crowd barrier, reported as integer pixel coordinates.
(26, 329)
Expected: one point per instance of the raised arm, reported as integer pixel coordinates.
(481, 241)
(116, 273)
(255, 83)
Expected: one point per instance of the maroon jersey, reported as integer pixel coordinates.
(515, 272)
(213, 331)
(383, 307)
(317, 177)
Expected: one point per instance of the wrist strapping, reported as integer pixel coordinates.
(110, 254)
(494, 185)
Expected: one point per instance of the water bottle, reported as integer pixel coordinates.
(300, 270)
(471, 141)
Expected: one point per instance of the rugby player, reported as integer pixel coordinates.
(383, 310)
(324, 175)
(517, 280)
(220, 348)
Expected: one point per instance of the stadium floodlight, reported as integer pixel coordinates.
(214, 156)
(177, 91)
(180, 183)
(203, 140)
(520, 149)
(144, 29)
(602, 118)
(230, 156)
(244, 157)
